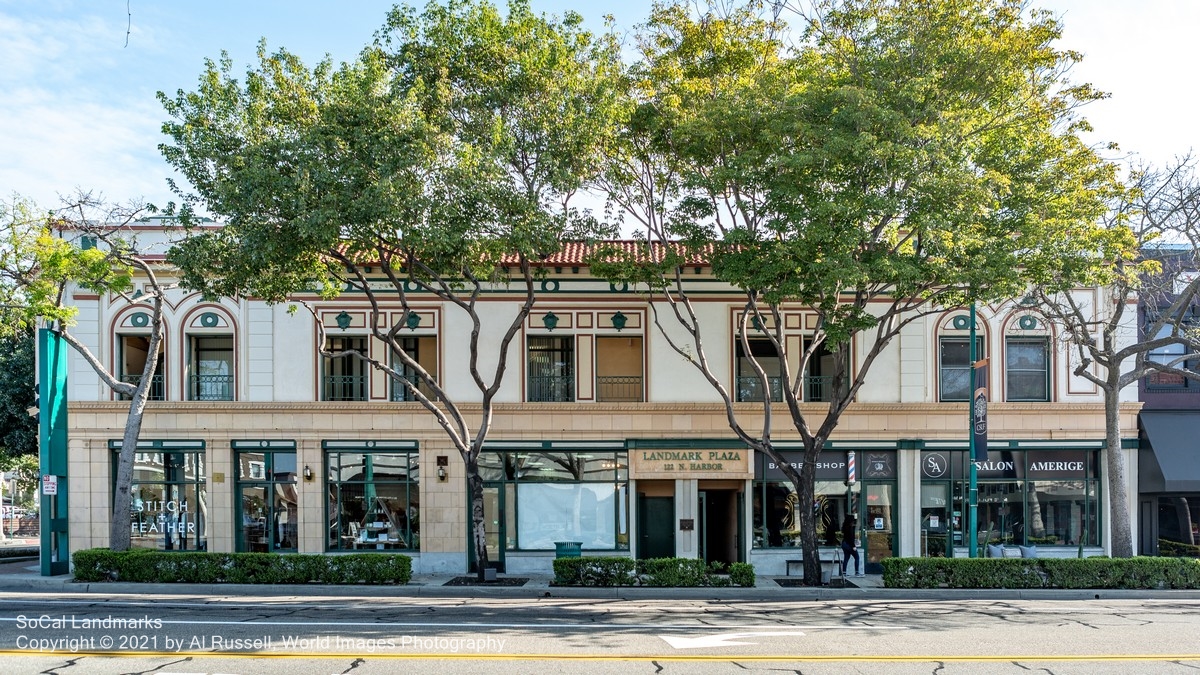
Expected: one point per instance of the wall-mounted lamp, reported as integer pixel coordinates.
(442, 473)
(307, 473)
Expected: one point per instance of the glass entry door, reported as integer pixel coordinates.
(497, 505)
(877, 523)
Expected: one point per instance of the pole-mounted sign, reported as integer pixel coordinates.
(979, 403)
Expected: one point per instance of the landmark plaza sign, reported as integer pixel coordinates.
(661, 464)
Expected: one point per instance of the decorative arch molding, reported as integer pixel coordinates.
(209, 318)
(135, 319)
(956, 323)
(1022, 321)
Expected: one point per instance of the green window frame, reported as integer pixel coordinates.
(559, 490)
(168, 509)
(373, 500)
(266, 504)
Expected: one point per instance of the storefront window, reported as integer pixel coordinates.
(549, 497)
(168, 499)
(374, 500)
(1001, 512)
(1035, 497)
(266, 498)
(1179, 525)
(776, 506)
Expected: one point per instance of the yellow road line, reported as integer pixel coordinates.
(632, 657)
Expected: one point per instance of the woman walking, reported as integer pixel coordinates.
(850, 545)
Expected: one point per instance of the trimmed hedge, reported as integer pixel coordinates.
(661, 572)
(19, 552)
(1122, 573)
(595, 571)
(142, 566)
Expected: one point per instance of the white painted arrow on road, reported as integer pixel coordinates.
(719, 640)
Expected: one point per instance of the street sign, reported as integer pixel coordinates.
(49, 485)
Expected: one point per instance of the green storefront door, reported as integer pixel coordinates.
(656, 527)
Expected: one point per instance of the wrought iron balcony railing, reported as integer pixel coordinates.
(750, 389)
(344, 388)
(817, 389)
(619, 388)
(158, 390)
(551, 388)
(210, 388)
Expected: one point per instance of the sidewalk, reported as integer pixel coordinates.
(24, 576)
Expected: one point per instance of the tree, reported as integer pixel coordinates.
(445, 158)
(1161, 206)
(86, 244)
(18, 429)
(904, 158)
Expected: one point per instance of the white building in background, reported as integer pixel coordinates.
(604, 436)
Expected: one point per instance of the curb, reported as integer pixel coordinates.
(540, 589)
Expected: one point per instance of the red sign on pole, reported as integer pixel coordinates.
(49, 485)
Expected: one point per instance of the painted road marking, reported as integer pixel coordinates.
(478, 625)
(719, 640)
(633, 657)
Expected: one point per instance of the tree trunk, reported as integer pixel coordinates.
(808, 521)
(119, 525)
(1121, 527)
(478, 525)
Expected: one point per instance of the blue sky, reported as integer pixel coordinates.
(78, 106)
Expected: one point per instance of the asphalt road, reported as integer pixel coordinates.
(57, 633)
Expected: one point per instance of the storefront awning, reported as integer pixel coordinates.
(1169, 459)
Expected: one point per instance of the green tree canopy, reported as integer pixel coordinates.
(444, 158)
(901, 158)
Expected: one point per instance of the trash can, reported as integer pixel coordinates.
(568, 549)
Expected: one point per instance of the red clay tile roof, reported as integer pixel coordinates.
(577, 252)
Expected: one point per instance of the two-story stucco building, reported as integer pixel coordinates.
(255, 442)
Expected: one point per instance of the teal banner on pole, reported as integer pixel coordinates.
(52, 450)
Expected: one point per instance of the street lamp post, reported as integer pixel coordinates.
(973, 489)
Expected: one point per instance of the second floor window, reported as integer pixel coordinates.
(423, 350)
(345, 377)
(954, 367)
(619, 369)
(749, 385)
(1169, 354)
(1027, 369)
(551, 372)
(211, 364)
(134, 350)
